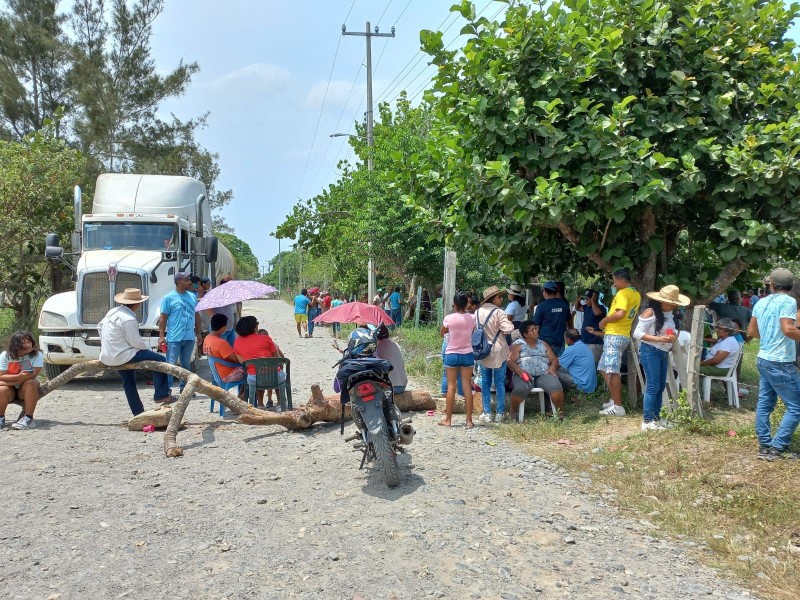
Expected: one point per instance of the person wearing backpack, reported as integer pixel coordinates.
(491, 321)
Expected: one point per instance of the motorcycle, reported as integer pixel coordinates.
(364, 384)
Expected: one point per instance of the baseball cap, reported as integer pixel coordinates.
(589, 293)
(180, 275)
(550, 286)
(782, 278)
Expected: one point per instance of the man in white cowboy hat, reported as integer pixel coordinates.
(121, 343)
(493, 368)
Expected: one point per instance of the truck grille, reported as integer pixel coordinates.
(95, 297)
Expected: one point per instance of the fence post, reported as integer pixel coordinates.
(419, 305)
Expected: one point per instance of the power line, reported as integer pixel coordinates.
(402, 12)
(322, 108)
(384, 12)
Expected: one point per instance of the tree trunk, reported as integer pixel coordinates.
(646, 279)
(319, 407)
(723, 281)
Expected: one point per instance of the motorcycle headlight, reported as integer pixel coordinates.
(51, 319)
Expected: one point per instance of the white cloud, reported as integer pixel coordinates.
(258, 76)
(338, 92)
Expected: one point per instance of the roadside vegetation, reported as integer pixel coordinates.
(699, 483)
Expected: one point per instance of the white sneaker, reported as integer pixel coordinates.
(664, 424)
(607, 404)
(485, 418)
(499, 418)
(25, 422)
(613, 411)
(651, 426)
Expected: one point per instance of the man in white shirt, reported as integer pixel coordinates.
(389, 350)
(121, 343)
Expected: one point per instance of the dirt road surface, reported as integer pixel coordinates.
(92, 511)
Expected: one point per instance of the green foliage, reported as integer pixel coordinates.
(36, 180)
(601, 135)
(246, 262)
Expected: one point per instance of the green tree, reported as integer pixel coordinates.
(588, 134)
(34, 63)
(37, 176)
(246, 262)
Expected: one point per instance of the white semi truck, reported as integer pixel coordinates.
(141, 231)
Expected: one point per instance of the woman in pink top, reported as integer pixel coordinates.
(458, 326)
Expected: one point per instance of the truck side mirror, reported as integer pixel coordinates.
(169, 256)
(52, 247)
(212, 249)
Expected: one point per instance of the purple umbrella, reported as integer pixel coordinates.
(233, 292)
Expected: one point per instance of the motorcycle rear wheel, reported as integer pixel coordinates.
(386, 457)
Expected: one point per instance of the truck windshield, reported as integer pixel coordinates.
(130, 236)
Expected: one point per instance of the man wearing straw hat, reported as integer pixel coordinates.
(121, 343)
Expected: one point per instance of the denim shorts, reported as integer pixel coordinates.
(459, 360)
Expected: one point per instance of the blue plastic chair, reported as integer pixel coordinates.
(212, 366)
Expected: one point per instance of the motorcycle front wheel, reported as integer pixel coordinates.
(385, 456)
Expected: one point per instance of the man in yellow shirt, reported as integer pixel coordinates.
(616, 338)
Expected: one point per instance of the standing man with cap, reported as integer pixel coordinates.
(179, 325)
(774, 321)
(121, 343)
(494, 321)
(552, 316)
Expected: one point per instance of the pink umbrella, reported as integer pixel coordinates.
(355, 312)
(233, 292)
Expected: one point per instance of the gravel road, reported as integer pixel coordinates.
(93, 511)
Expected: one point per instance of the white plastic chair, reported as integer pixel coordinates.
(521, 413)
(730, 380)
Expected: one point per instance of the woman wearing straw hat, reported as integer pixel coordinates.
(656, 332)
(493, 368)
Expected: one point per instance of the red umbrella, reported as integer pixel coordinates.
(355, 312)
(313, 290)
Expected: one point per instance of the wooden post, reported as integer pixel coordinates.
(693, 394)
(449, 287)
(419, 306)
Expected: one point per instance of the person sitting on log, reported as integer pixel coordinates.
(250, 345)
(121, 343)
(216, 346)
(20, 365)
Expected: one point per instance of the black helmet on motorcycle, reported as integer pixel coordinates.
(362, 344)
(382, 331)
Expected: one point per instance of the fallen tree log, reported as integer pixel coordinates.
(320, 408)
(328, 409)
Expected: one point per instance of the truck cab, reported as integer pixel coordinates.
(142, 230)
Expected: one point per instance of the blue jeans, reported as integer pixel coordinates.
(655, 363)
(313, 313)
(129, 381)
(443, 388)
(396, 314)
(777, 379)
(336, 328)
(499, 377)
(180, 351)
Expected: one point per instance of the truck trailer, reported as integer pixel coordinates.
(141, 231)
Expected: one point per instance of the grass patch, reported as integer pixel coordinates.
(700, 483)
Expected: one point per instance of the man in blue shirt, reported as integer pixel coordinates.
(593, 313)
(576, 364)
(179, 325)
(301, 303)
(552, 317)
(773, 321)
(395, 303)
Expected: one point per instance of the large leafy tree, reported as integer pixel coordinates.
(582, 135)
(246, 262)
(37, 176)
(34, 64)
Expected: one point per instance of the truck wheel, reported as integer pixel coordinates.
(53, 371)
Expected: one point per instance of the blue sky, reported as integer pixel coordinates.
(265, 67)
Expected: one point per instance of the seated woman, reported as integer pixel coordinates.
(216, 346)
(723, 353)
(534, 365)
(20, 365)
(249, 345)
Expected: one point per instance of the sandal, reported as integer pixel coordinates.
(167, 400)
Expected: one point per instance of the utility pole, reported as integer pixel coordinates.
(280, 264)
(370, 138)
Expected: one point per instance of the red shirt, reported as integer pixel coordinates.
(326, 302)
(254, 346)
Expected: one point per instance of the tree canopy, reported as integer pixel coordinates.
(587, 135)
